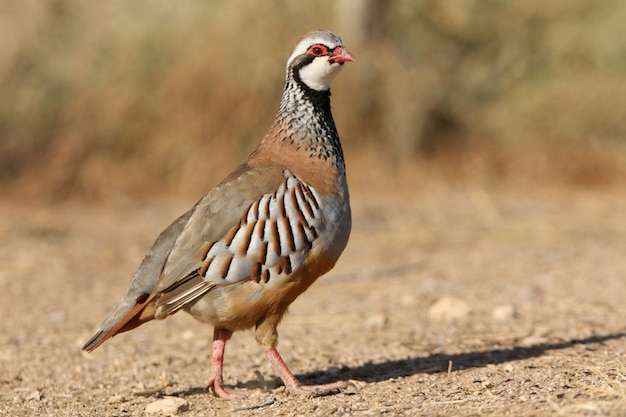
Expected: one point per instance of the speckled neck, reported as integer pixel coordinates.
(306, 115)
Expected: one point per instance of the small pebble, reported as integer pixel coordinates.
(376, 321)
(167, 406)
(448, 309)
(504, 312)
(116, 399)
(35, 395)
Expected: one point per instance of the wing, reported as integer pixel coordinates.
(269, 239)
(178, 251)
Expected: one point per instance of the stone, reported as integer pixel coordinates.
(167, 406)
(448, 309)
(504, 312)
(116, 399)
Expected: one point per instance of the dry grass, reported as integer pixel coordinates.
(125, 98)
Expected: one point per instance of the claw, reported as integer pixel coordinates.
(218, 390)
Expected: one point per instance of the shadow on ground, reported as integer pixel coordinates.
(436, 363)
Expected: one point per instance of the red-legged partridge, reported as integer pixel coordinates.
(259, 239)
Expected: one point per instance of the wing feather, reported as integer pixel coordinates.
(267, 239)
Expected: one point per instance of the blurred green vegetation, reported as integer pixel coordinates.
(158, 96)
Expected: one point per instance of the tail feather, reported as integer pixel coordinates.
(135, 308)
(125, 316)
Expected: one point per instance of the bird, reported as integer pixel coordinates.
(247, 249)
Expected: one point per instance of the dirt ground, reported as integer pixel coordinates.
(464, 301)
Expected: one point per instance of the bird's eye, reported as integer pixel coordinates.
(317, 50)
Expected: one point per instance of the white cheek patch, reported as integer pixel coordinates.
(319, 73)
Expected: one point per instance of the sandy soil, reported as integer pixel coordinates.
(448, 301)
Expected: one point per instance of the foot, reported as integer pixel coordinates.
(217, 388)
(291, 382)
(216, 383)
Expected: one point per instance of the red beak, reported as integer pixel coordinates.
(341, 55)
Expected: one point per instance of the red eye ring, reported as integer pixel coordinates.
(317, 50)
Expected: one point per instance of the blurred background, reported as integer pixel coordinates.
(115, 99)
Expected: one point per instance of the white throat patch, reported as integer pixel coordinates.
(319, 73)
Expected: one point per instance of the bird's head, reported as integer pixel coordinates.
(317, 59)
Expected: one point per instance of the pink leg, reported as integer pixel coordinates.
(290, 381)
(220, 336)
